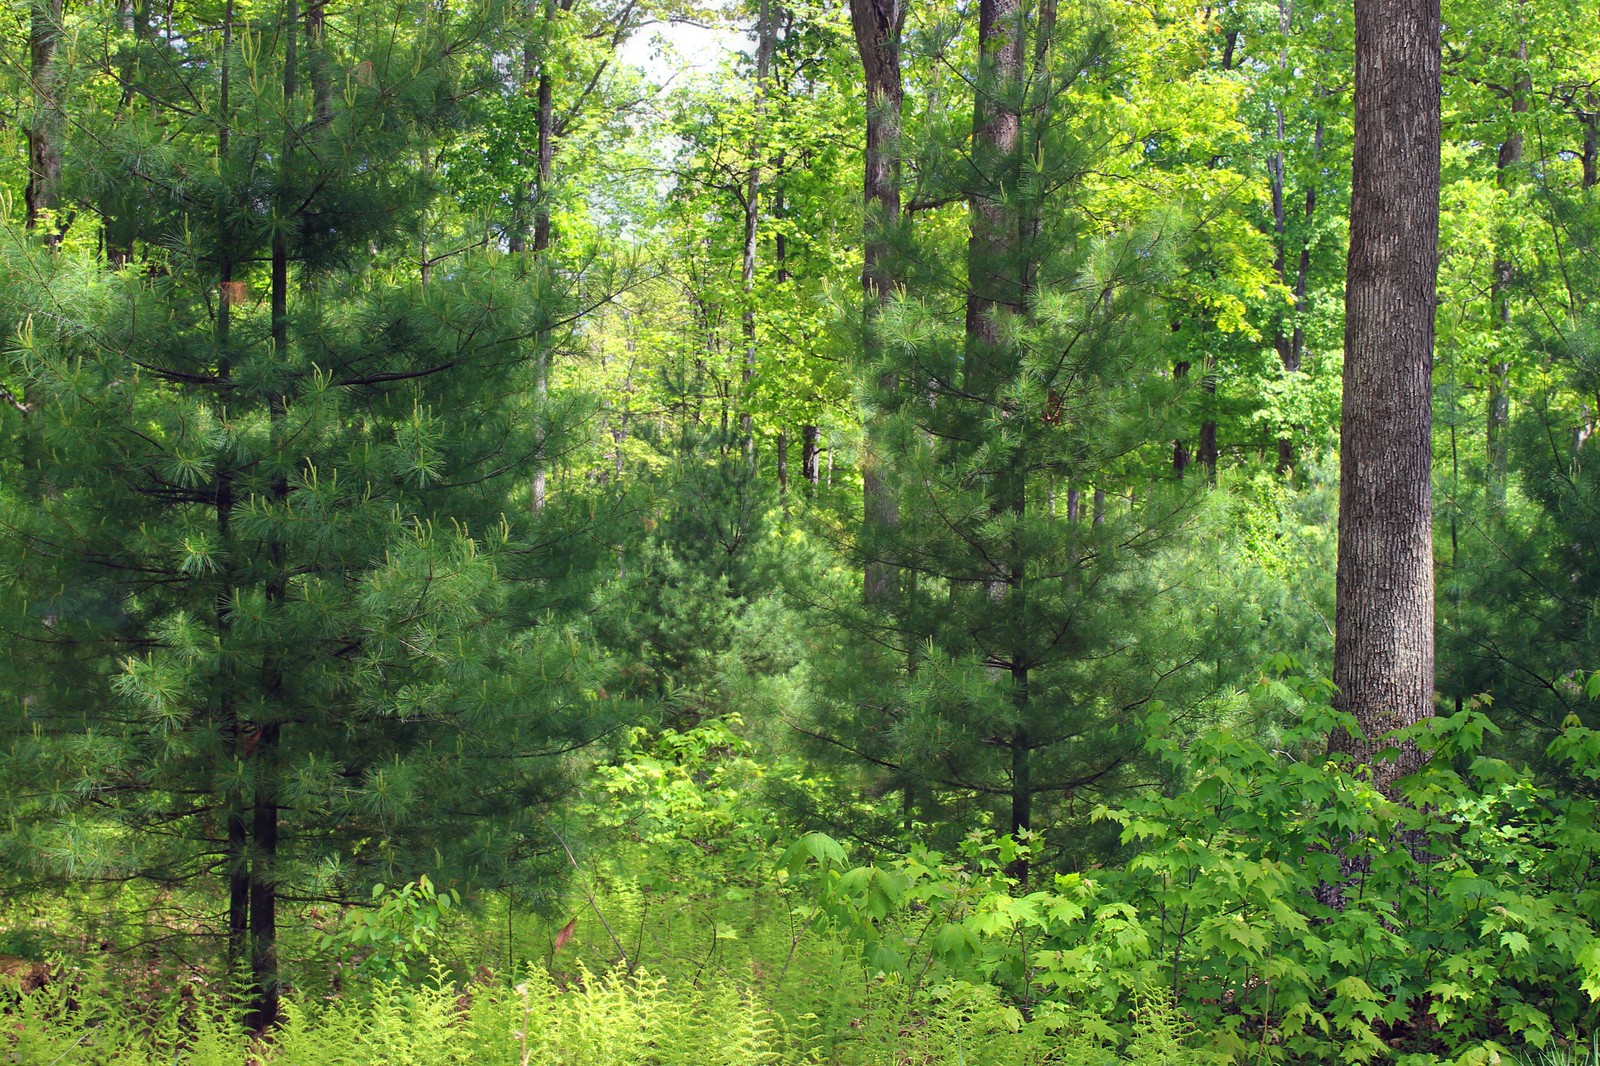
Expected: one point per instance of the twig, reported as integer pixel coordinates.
(588, 892)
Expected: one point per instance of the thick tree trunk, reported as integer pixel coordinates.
(1383, 650)
(877, 25)
(44, 127)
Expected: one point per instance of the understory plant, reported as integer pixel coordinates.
(1288, 908)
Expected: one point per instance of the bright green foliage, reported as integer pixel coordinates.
(610, 1020)
(392, 937)
(1496, 930)
(285, 625)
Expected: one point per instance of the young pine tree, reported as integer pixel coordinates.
(261, 533)
(998, 675)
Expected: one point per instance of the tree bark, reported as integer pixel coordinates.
(1591, 140)
(877, 25)
(752, 215)
(997, 277)
(810, 469)
(545, 104)
(1383, 648)
(263, 742)
(238, 832)
(44, 127)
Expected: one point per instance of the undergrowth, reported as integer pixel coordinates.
(594, 1020)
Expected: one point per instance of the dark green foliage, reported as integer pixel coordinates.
(1003, 679)
(264, 545)
(698, 605)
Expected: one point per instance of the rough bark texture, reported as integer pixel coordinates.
(263, 741)
(1383, 649)
(44, 127)
(1207, 454)
(877, 25)
(994, 286)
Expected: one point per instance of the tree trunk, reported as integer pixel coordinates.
(1181, 456)
(810, 469)
(1383, 665)
(264, 740)
(44, 127)
(238, 832)
(1591, 140)
(996, 280)
(545, 102)
(1499, 404)
(752, 215)
(877, 25)
(1289, 342)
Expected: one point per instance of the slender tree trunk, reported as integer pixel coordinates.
(877, 25)
(780, 255)
(1591, 140)
(44, 127)
(810, 469)
(997, 278)
(765, 30)
(1207, 449)
(228, 294)
(546, 120)
(1499, 404)
(317, 62)
(1383, 665)
(264, 741)
(1289, 338)
(1181, 456)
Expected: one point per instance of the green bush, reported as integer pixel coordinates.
(1470, 921)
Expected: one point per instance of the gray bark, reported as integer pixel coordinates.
(1383, 649)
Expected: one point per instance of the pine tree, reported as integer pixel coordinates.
(262, 535)
(1007, 671)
